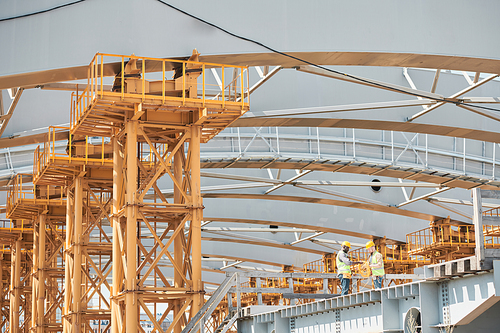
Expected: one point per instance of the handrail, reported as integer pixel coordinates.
(447, 235)
(209, 306)
(141, 83)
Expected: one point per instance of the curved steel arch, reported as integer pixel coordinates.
(323, 201)
(292, 224)
(339, 121)
(383, 59)
(263, 243)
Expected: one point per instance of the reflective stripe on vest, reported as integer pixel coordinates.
(376, 271)
(341, 267)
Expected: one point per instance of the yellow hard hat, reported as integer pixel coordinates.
(370, 244)
(346, 243)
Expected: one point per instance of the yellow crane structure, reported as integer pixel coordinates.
(90, 205)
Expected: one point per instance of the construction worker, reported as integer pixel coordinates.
(344, 267)
(376, 263)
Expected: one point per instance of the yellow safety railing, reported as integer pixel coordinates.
(440, 236)
(445, 235)
(161, 80)
(491, 236)
(492, 212)
(323, 265)
(393, 254)
(82, 150)
(17, 192)
(40, 194)
(73, 150)
(491, 230)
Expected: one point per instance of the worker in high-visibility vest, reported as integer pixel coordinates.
(376, 263)
(344, 267)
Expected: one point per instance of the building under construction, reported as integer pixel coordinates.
(195, 167)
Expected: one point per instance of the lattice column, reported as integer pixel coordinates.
(197, 211)
(68, 259)
(165, 224)
(116, 311)
(2, 303)
(15, 292)
(131, 297)
(76, 313)
(35, 276)
(73, 321)
(178, 251)
(40, 300)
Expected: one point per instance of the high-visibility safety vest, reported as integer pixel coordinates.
(341, 267)
(373, 261)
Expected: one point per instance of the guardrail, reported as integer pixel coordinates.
(35, 194)
(83, 150)
(450, 236)
(457, 156)
(148, 79)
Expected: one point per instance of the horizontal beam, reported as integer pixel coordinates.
(341, 108)
(453, 97)
(425, 196)
(461, 202)
(369, 82)
(70, 87)
(356, 183)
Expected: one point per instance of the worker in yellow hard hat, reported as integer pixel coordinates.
(376, 263)
(344, 267)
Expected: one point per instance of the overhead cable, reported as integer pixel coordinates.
(40, 12)
(316, 65)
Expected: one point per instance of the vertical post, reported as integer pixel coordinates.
(464, 157)
(68, 261)
(117, 262)
(197, 217)
(77, 257)
(494, 161)
(16, 287)
(41, 274)
(259, 294)
(178, 248)
(35, 281)
(392, 147)
(353, 145)
(1, 282)
(131, 304)
(426, 150)
(238, 293)
(478, 225)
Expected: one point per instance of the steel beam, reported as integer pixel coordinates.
(131, 304)
(368, 82)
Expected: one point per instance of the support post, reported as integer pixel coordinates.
(16, 287)
(35, 281)
(68, 259)
(131, 302)
(117, 262)
(41, 274)
(478, 225)
(197, 217)
(2, 328)
(77, 257)
(178, 248)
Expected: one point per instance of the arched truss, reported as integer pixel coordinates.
(468, 170)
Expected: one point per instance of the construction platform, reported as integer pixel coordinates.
(458, 305)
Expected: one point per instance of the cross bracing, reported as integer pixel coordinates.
(306, 165)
